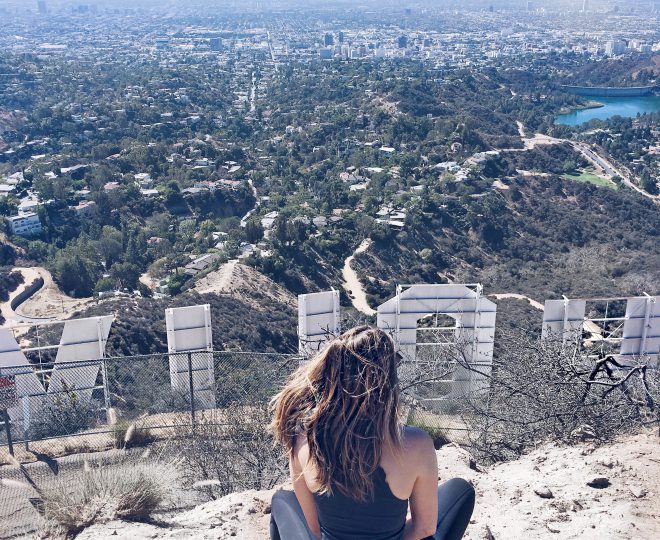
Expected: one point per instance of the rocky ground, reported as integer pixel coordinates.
(582, 491)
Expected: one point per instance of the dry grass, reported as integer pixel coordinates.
(130, 488)
(131, 491)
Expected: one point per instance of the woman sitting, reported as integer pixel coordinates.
(354, 467)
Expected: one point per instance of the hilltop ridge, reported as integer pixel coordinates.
(508, 502)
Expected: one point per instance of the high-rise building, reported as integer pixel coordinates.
(341, 36)
(41, 7)
(325, 54)
(403, 42)
(615, 48)
(328, 40)
(585, 6)
(215, 44)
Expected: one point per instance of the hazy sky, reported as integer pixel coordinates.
(355, 3)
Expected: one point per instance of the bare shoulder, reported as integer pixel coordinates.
(300, 447)
(418, 443)
(414, 438)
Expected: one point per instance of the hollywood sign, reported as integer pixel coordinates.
(410, 317)
(79, 363)
(625, 328)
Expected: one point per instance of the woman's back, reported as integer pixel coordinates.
(353, 467)
(381, 517)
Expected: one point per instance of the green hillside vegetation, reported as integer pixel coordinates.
(588, 175)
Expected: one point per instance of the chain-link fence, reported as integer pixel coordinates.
(207, 409)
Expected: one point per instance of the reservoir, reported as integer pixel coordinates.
(627, 107)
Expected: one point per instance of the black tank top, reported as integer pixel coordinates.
(380, 518)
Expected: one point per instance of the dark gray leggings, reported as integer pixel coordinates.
(455, 505)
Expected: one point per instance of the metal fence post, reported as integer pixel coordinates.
(7, 422)
(106, 391)
(192, 391)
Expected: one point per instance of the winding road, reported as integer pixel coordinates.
(590, 153)
(30, 275)
(46, 304)
(257, 203)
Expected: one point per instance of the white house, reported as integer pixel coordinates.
(26, 224)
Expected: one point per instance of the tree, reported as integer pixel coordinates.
(254, 231)
(127, 273)
(75, 274)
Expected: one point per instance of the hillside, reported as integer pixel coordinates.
(541, 236)
(507, 506)
(245, 284)
(248, 312)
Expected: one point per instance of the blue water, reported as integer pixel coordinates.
(627, 107)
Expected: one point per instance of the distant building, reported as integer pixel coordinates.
(326, 53)
(26, 224)
(268, 220)
(328, 40)
(201, 263)
(402, 42)
(84, 208)
(615, 47)
(216, 44)
(585, 6)
(144, 180)
(341, 37)
(41, 7)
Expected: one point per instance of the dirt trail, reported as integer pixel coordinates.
(515, 296)
(352, 283)
(218, 281)
(246, 284)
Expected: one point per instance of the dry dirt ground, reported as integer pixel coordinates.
(244, 283)
(47, 303)
(508, 506)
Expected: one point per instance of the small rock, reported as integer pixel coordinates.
(543, 492)
(576, 506)
(551, 529)
(598, 482)
(637, 491)
(485, 533)
(583, 432)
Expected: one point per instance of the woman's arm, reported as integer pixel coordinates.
(304, 495)
(424, 498)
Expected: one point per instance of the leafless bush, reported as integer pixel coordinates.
(230, 450)
(554, 390)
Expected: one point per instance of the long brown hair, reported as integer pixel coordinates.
(346, 403)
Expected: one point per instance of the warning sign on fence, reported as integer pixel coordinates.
(8, 395)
